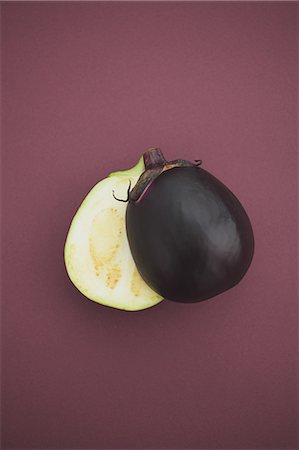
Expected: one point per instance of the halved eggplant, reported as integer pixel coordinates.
(97, 255)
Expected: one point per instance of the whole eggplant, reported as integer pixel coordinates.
(189, 235)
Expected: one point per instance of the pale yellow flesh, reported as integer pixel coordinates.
(97, 254)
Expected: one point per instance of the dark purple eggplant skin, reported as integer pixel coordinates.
(189, 235)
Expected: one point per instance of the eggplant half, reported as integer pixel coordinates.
(189, 235)
(97, 255)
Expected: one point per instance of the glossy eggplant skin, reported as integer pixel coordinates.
(189, 235)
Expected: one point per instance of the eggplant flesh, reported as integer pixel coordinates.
(96, 253)
(189, 235)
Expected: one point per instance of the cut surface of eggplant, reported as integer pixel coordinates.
(97, 255)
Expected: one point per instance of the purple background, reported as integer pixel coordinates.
(87, 88)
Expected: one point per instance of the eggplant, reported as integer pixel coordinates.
(189, 235)
(96, 252)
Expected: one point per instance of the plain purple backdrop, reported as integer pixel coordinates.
(86, 89)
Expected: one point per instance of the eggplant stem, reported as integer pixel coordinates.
(153, 157)
(128, 195)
